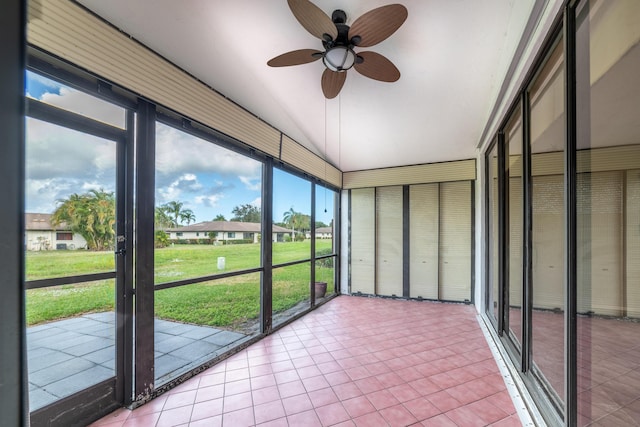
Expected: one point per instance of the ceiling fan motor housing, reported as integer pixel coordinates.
(339, 55)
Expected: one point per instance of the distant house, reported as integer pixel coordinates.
(224, 231)
(40, 235)
(321, 233)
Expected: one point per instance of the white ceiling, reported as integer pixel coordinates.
(452, 55)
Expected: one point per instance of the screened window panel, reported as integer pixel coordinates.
(455, 241)
(389, 240)
(632, 235)
(515, 241)
(363, 240)
(423, 241)
(599, 254)
(492, 232)
(548, 241)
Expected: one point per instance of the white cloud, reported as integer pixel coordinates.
(178, 152)
(60, 162)
(209, 201)
(87, 105)
(186, 183)
(252, 183)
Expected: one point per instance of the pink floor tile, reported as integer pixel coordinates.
(208, 409)
(240, 418)
(307, 419)
(322, 397)
(358, 406)
(398, 415)
(297, 404)
(332, 414)
(173, 417)
(268, 411)
(352, 362)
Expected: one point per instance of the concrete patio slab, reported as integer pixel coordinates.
(67, 356)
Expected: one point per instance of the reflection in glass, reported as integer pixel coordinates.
(493, 257)
(513, 155)
(195, 323)
(608, 213)
(547, 199)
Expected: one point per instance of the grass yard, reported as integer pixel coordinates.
(226, 302)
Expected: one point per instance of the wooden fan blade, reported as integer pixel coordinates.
(378, 24)
(312, 18)
(377, 67)
(332, 83)
(295, 57)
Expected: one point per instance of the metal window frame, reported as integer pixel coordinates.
(135, 353)
(105, 396)
(13, 369)
(552, 410)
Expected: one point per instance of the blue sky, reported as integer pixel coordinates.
(206, 178)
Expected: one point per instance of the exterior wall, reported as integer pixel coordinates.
(42, 240)
(221, 236)
(307, 235)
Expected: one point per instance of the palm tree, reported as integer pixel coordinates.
(174, 209)
(188, 216)
(163, 220)
(92, 215)
(291, 218)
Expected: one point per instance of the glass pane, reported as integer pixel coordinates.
(62, 96)
(70, 209)
(513, 141)
(291, 291)
(493, 258)
(325, 278)
(291, 217)
(608, 213)
(325, 201)
(70, 339)
(69, 202)
(208, 200)
(547, 142)
(195, 323)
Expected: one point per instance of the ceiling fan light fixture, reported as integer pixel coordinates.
(339, 58)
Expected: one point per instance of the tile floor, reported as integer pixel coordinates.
(353, 362)
(608, 365)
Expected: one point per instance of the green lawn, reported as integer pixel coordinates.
(226, 302)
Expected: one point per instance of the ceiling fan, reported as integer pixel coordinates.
(340, 40)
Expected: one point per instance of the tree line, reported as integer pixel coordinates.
(92, 215)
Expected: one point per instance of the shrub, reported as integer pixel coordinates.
(238, 241)
(325, 262)
(161, 239)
